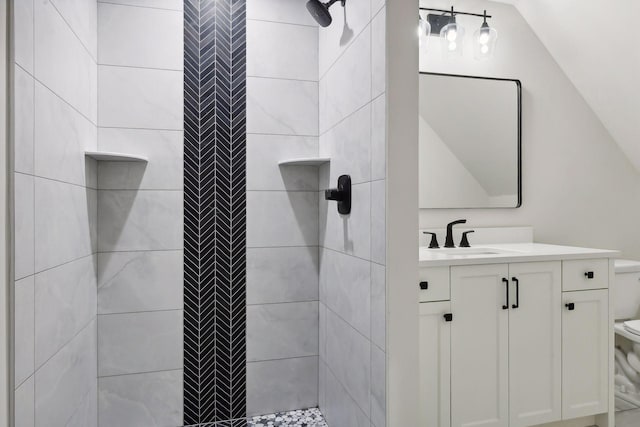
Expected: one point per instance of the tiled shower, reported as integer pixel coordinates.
(193, 280)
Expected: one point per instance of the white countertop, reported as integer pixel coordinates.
(506, 253)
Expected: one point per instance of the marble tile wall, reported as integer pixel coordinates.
(140, 223)
(352, 370)
(282, 207)
(55, 225)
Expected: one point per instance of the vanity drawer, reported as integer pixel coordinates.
(583, 274)
(436, 282)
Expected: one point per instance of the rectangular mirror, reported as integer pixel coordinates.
(470, 142)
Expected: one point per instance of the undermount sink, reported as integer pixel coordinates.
(469, 252)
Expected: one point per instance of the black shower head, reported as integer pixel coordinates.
(320, 11)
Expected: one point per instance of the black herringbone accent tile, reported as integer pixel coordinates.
(215, 212)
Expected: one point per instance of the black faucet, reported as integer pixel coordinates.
(449, 240)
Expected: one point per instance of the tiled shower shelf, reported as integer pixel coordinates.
(305, 161)
(115, 157)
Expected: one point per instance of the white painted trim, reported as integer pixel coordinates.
(402, 213)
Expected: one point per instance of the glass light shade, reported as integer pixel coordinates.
(452, 39)
(484, 42)
(424, 31)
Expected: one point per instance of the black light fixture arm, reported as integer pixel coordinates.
(455, 12)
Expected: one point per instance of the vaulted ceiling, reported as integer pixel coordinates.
(597, 44)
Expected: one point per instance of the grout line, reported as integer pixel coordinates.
(95, 60)
(283, 23)
(283, 358)
(285, 79)
(64, 263)
(140, 312)
(138, 67)
(46, 178)
(128, 374)
(282, 303)
(140, 7)
(64, 100)
(337, 378)
(138, 251)
(283, 135)
(139, 128)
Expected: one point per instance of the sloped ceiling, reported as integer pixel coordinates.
(597, 44)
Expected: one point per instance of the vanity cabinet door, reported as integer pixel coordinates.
(479, 346)
(435, 364)
(585, 344)
(535, 343)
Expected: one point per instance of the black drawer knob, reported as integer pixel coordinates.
(589, 275)
(448, 317)
(571, 306)
(424, 285)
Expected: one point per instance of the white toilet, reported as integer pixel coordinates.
(627, 294)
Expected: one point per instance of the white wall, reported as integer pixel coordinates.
(578, 186)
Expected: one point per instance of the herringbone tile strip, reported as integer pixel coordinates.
(215, 212)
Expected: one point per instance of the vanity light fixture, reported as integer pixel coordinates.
(451, 32)
(484, 40)
(424, 31)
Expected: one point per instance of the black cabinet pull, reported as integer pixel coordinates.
(517, 282)
(570, 306)
(424, 285)
(448, 317)
(589, 275)
(506, 285)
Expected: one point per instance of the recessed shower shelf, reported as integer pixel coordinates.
(109, 156)
(305, 161)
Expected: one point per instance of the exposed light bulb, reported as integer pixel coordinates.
(484, 49)
(484, 38)
(452, 34)
(452, 46)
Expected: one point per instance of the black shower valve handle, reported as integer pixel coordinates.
(341, 194)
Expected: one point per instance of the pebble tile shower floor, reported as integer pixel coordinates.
(301, 418)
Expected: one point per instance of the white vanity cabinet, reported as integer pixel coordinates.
(510, 353)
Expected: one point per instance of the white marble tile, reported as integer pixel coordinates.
(348, 144)
(82, 17)
(140, 281)
(289, 11)
(347, 25)
(86, 415)
(24, 225)
(379, 138)
(140, 220)
(351, 233)
(265, 151)
(284, 107)
(62, 135)
(23, 20)
(340, 409)
(322, 388)
(163, 171)
(23, 121)
(279, 331)
(160, 4)
(140, 98)
(376, 5)
(24, 404)
(349, 358)
(65, 218)
(378, 305)
(378, 54)
(140, 37)
(346, 288)
(62, 62)
(347, 85)
(65, 302)
(378, 388)
(64, 381)
(139, 342)
(279, 218)
(282, 385)
(378, 222)
(282, 51)
(149, 400)
(322, 328)
(23, 329)
(282, 275)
